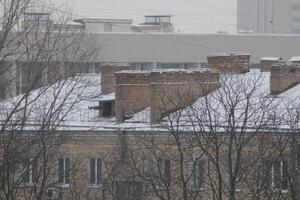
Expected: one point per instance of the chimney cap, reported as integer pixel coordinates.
(227, 54)
(271, 59)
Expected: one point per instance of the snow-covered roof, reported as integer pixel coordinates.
(107, 97)
(228, 54)
(295, 59)
(179, 70)
(78, 95)
(270, 59)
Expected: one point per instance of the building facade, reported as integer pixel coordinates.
(268, 16)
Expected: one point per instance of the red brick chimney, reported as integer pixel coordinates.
(229, 62)
(162, 91)
(267, 62)
(283, 77)
(108, 80)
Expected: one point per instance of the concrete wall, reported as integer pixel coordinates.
(100, 27)
(191, 48)
(267, 16)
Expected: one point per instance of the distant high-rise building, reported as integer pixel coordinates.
(268, 16)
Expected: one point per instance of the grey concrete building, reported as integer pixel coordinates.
(268, 16)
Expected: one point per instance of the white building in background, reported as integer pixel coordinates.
(268, 16)
(153, 23)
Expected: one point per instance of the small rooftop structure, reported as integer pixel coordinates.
(157, 19)
(155, 23)
(34, 16)
(39, 20)
(104, 20)
(106, 25)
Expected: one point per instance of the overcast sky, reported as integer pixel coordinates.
(190, 16)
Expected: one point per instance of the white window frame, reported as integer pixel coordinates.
(273, 186)
(108, 27)
(194, 165)
(160, 185)
(30, 170)
(63, 184)
(95, 184)
(227, 177)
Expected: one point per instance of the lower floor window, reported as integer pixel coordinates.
(64, 170)
(277, 178)
(95, 171)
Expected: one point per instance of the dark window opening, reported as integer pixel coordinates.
(127, 190)
(107, 108)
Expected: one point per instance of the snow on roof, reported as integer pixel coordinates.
(81, 117)
(68, 100)
(179, 70)
(271, 59)
(228, 54)
(295, 59)
(107, 97)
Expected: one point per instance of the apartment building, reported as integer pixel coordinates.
(124, 139)
(268, 16)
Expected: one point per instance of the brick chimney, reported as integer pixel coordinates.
(267, 62)
(108, 79)
(283, 77)
(229, 62)
(161, 90)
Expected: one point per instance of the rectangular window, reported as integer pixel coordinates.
(277, 179)
(31, 76)
(164, 172)
(196, 175)
(2, 85)
(28, 172)
(64, 170)
(107, 27)
(95, 171)
(129, 190)
(230, 177)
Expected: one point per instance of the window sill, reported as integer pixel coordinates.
(278, 191)
(23, 185)
(197, 189)
(63, 185)
(95, 185)
(236, 190)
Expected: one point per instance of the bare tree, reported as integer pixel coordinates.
(240, 135)
(44, 57)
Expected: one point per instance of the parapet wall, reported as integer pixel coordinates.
(283, 77)
(235, 63)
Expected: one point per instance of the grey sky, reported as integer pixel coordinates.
(190, 16)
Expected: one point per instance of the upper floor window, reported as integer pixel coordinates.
(95, 171)
(164, 172)
(107, 27)
(64, 170)
(277, 177)
(196, 175)
(232, 174)
(28, 172)
(129, 190)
